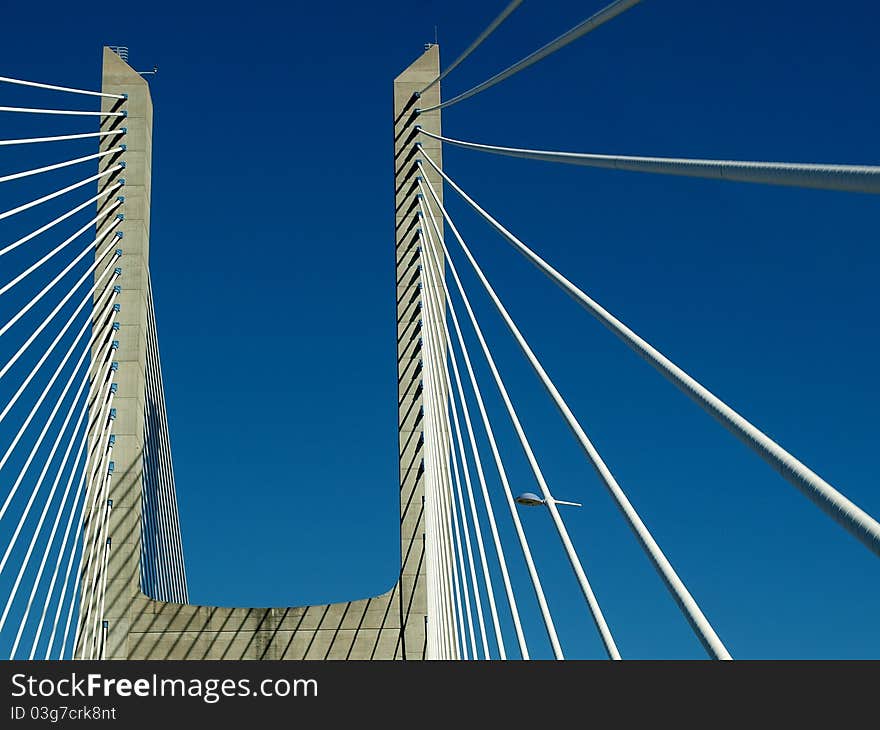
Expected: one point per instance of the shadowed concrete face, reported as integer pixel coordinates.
(389, 626)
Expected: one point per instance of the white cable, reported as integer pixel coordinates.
(20, 82)
(50, 196)
(855, 520)
(583, 581)
(603, 16)
(428, 313)
(60, 138)
(59, 165)
(473, 509)
(63, 548)
(93, 537)
(51, 348)
(485, 491)
(51, 540)
(60, 247)
(689, 607)
(852, 178)
(33, 302)
(103, 439)
(442, 514)
(464, 584)
(67, 112)
(107, 191)
(36, 489)
(33, 412)
(61, 552)
(502, 472)
(499, 19)
(89, 574)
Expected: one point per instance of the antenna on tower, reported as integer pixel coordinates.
(121, 51)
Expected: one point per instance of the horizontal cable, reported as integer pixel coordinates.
(852, 178)
(67, 112)
(59, 219)
(490, 29)
(61, 138)
(59, 165)
(20, 82)
(603, 16)
(50, 196)
(851, 517)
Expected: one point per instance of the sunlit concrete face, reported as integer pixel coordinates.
(389, 626)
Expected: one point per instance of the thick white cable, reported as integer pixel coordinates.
(502, 473)
(60, 138)
(70, 518)
(429, 312)
(430, 358)
(94, 536)
(65, 112)
(73, 211)
(432, 567)
(482, 478)
(37, 530)
(59, 165)
(478, 533)
(60, 247)
(39, 483)
(603, 16)
(464, 584)
(691, 610)
(51, 87)
(51, 348)
(61, 552)
(432, 492)
(33, 302)
(50, 196)
(104, 418)
(851, 178)
(851, 517)
(34, 410)
(580, 574)
(89, 574)
(689, 607)
(443, 487)
(489, 30)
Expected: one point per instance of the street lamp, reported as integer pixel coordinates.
(530, 499)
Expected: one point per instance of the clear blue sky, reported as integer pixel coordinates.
(272, 239)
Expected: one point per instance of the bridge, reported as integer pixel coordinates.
(93, 561)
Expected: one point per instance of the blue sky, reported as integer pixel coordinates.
(272, 239)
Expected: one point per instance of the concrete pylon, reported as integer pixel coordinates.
(147, 613)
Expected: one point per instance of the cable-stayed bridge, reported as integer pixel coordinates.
(92, 562)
